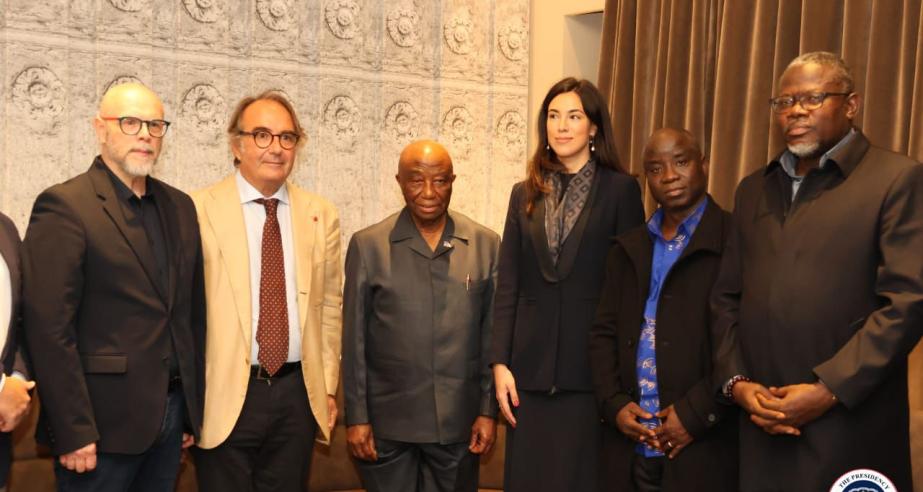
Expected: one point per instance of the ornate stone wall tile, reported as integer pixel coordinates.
(206, 111)
(511, 133)
(404, 26)
(342, 120)
(458, 32)
(402, 122)
(342, 18)
(513, 39)
(128, 5)
(39, 94)
(457, 129)
(278, 15)
(122, 79)
(205, 11)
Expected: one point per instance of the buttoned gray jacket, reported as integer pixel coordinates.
(416, 327)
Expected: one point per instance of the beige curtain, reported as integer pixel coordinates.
(711, 65)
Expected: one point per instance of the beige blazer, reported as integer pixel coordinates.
(318, 277)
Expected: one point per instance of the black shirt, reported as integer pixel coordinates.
(143, 211)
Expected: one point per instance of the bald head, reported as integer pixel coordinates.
(426, 152)
(120, 97)
(425, 175)
(670, 137)
(123, 130)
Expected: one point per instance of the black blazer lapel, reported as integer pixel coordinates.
(640, 251)
(540, 241)
(169, 223)
(133, 233)
(572, 243)
(709, 235)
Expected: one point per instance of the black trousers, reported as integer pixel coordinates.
(420, 467)
(270, 447)
(647, 473)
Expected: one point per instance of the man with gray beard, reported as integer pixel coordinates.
(113, 309)
(820, 296)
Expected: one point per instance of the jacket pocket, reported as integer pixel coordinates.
(104, 364)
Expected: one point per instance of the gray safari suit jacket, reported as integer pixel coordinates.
(416, 327)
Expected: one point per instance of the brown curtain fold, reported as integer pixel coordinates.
(710, 66)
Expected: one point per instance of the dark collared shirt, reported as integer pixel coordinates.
(143, 211)
(789, 161)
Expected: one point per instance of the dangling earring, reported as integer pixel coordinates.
(592, 145)
(547, 147)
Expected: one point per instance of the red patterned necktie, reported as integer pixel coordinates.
(272, 329)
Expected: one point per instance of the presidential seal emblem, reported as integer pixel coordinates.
(863, 480)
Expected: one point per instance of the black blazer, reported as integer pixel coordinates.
(98, 330)
(11, 357)
(542, 311)
(684, 356)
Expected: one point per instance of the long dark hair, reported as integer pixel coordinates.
(544, 160)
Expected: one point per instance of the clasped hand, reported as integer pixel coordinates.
(783, 410)
(669, 438)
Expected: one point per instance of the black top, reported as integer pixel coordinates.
(143, 210)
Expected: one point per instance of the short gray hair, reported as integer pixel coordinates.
(842, 75)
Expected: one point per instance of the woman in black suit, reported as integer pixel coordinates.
(559, 227)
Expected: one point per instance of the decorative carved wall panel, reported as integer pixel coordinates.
(366, 77)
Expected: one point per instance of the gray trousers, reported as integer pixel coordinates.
(416, 467)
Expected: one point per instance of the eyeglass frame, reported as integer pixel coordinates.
(273, 136)
(141, 124)
(800, 99)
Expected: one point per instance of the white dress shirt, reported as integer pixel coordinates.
(254, 218)
(6, 309)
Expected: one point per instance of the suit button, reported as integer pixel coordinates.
(665, 343)
(631, 343)
(712, 418)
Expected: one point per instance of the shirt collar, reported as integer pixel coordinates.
(686, 227)
(248, 193)
(121, 190)
(405, 228)
(788, 161)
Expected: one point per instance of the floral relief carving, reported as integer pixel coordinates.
(204, 11)
(39, 93)
(342, 17)
(123, 79)
(511, 132)
(277, 15)
(513, 39)
(342, 118)
(457, 125)
(402, 122)
(128, 5)
(404, 26)
(459, 32)
(204, 109)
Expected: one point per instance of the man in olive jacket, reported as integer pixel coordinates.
(650, 346)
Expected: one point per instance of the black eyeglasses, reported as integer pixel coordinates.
(809, 101)
(263, 139)
(132, 126)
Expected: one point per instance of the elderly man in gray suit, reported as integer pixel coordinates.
(416, 319)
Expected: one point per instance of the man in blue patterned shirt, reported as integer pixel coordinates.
(650, 346)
